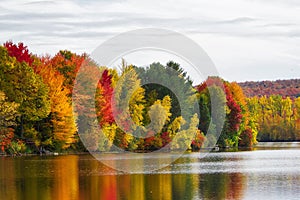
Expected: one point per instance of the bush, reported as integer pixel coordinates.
(246, 138)
(198, 141)
(17, 147)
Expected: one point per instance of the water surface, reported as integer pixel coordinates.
(260, 174)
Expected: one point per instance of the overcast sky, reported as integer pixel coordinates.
(246, 39)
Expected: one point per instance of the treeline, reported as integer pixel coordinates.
(36, 106)
(276, 118)
(285, 88)
(274, 108)
(164, 109)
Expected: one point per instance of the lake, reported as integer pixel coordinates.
(259, 174)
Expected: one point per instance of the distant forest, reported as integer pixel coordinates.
(285, 88)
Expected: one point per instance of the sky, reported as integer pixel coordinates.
(245, 39)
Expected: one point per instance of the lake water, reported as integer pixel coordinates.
(259, 174)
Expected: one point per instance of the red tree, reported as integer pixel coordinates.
(6, 136)
(20, 52)
(104, 99)
(235, 115)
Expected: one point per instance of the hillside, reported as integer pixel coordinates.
(284, 88)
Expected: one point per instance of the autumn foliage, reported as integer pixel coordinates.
(237, 116)
(6, 136)
(284, 88)
(104, 99)
(20, 52)
(37, 92)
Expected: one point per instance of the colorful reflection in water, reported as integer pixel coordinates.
(231, 175)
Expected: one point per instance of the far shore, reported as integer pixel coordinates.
(291, 144)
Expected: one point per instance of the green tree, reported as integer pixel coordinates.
(22, 86)
(229, 103)
(211, 95)
(158, 81)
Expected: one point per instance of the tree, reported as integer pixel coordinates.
(183, 139)
(297, 117)
(20, 52)
(274, 117)
(22, 86)
(159, 114)
(170, 80)
(198, 141)
(104, 108)
(61, 119)
(237, 118)
(205, 110)
(104, 101)
(6, 136)
(233, 120)
(254, 110)
(211, 95)
(246, 138)
(128, 107)
(8, 114)
(158, 117)
(68, 64)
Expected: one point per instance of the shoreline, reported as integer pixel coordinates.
(258, 146)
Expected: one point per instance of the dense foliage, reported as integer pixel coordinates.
(276, 118)
(285, 88)
(37, 114)
(236, 131)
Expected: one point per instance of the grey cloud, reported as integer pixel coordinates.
(3, 9)
(90, 28)
(237, 20)
(285, 2)
(152, 21)
(98, 24)
(294, 34)
(80, 2)
(79, 34)
(26, 16)
(43, 3)
(278, 25)
(248, 33)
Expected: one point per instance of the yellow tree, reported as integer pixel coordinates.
(183, 139)
(297, 117)
(61, 117)
(254, 116)
(8, 114)
(246, 125)
(129, 104)
(160, 113)
(286, 118)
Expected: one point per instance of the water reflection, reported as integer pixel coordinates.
(220, 176)
(65, 178)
